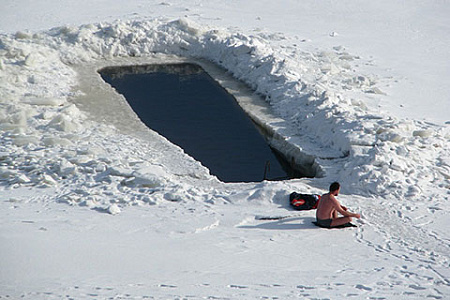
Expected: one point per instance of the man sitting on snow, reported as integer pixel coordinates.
(329, 207)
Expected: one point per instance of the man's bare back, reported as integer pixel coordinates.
(329, 207)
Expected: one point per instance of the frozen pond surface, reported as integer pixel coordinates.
(186, 105)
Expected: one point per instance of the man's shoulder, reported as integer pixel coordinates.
(325, 197)
(333, 199)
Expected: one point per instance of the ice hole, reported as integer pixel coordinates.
(186, 105)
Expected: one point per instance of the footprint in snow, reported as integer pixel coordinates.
(167, 286)
(363, 287)
(416, 287)
(235, 286)
(305, 287)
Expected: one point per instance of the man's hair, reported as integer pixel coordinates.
(334, 186)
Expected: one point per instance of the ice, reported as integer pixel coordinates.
(113, 209)
(45, 101)
(22, 140)
(422, 133)
(149, 177)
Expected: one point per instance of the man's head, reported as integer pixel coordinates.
(334, 188)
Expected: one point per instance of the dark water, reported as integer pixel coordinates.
(184, 104)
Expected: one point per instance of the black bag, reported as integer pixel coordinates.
(304, 201)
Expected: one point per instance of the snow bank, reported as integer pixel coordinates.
(320, 94)
(46, 139)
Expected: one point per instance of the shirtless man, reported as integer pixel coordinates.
(329, 207)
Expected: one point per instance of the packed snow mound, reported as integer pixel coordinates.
(48, 141)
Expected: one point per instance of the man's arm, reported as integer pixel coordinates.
(342, 209)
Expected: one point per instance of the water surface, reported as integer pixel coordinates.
(188, 107)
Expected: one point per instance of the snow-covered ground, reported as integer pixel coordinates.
(95, 205)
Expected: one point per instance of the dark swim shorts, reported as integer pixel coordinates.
(324, 223)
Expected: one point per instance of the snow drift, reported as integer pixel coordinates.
(320, 97)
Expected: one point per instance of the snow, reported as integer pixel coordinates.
(95, 205)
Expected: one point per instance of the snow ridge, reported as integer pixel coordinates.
(47, 140)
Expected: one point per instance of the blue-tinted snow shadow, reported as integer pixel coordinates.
(294, 223)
